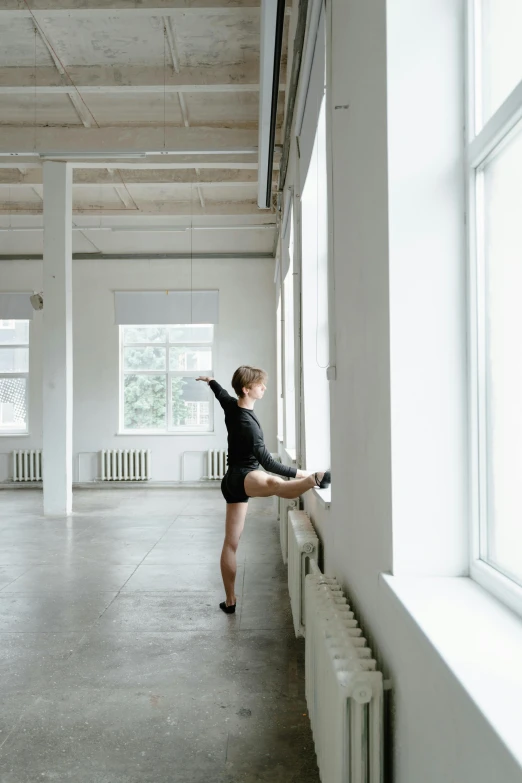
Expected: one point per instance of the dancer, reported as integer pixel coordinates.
(243, 479)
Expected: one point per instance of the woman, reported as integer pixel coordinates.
(243, 479)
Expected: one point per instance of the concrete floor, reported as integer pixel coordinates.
(116, 664)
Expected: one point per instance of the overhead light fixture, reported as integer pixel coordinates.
(148, 228)
(243, 151)
(272, 22)
(106, 156)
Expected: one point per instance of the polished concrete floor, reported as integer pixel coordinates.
(116, 664)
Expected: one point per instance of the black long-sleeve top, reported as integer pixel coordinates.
(246, 446)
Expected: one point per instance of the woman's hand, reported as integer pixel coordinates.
(303, 474)
(202, 378)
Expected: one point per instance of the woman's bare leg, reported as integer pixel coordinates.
(259, 484)
(235, 522)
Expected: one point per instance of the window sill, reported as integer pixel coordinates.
(479, 640)
(15, 434)
(324, 496)
(291, 454)
(152, 434)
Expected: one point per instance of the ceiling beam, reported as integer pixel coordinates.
(262, 220)
(53, 9)
(118, 141)
(158, 208)
(110, 178)
(122, 80)
(84, 115)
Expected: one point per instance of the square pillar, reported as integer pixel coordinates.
(57, 339)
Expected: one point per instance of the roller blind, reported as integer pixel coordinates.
(166, 307)
(15, 307)
(313, 92)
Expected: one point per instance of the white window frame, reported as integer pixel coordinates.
(170, 374)
(13, 375)
(483, 140)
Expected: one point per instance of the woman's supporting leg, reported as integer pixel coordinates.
(259, 484)
(235, 522)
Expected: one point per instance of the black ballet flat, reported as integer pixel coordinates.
(325, 481)
(227, 609)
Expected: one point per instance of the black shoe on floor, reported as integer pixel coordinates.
(227, 609)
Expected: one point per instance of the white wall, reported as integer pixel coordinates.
(245, 335)
(398, 406)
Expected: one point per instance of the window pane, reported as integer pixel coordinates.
(191, 333)
(13, 404)
(145, 402)
(289, 390)
(316, 347)
(186, 358)
(14, 332)
(14, 360)
(503, 296)
(145, 334)
(502, 51)
(190, 403)
(144, 358)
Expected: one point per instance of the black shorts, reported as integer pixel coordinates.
(233, 485)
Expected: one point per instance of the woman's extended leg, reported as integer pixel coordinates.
(235, 522)
(259, 484)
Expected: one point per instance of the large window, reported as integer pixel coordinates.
(289, 341)
(159, 367)
(14, 375)
(279, 332)
(495, 190)
(314, 222)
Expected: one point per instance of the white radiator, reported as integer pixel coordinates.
(344, 692)
(303, 545)
(216, 464)
(27, 465)
(125, 465)
(285, 506)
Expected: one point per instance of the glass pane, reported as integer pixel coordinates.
(503, 296)
(186, 358)
(144, 334)
(14, 359)
(144, 358)
(190, 403)
(145, 401)
(502, 51)
(13, 404)
(14, 332)
(191, 333)
(289, 390)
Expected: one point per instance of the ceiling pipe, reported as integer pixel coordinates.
(272, 23)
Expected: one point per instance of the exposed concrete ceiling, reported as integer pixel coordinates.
(116, 77)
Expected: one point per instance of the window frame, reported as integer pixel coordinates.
(170, 374)
(483, 142)
(26, 375)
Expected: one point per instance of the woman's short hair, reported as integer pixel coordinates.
(245, 377)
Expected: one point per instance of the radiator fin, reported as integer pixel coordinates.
(27, 465)
(125, 465)
(216, 464)
(344, 692)
(285, 506)
(303, 546)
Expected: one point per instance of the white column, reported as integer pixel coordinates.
(57, 341)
